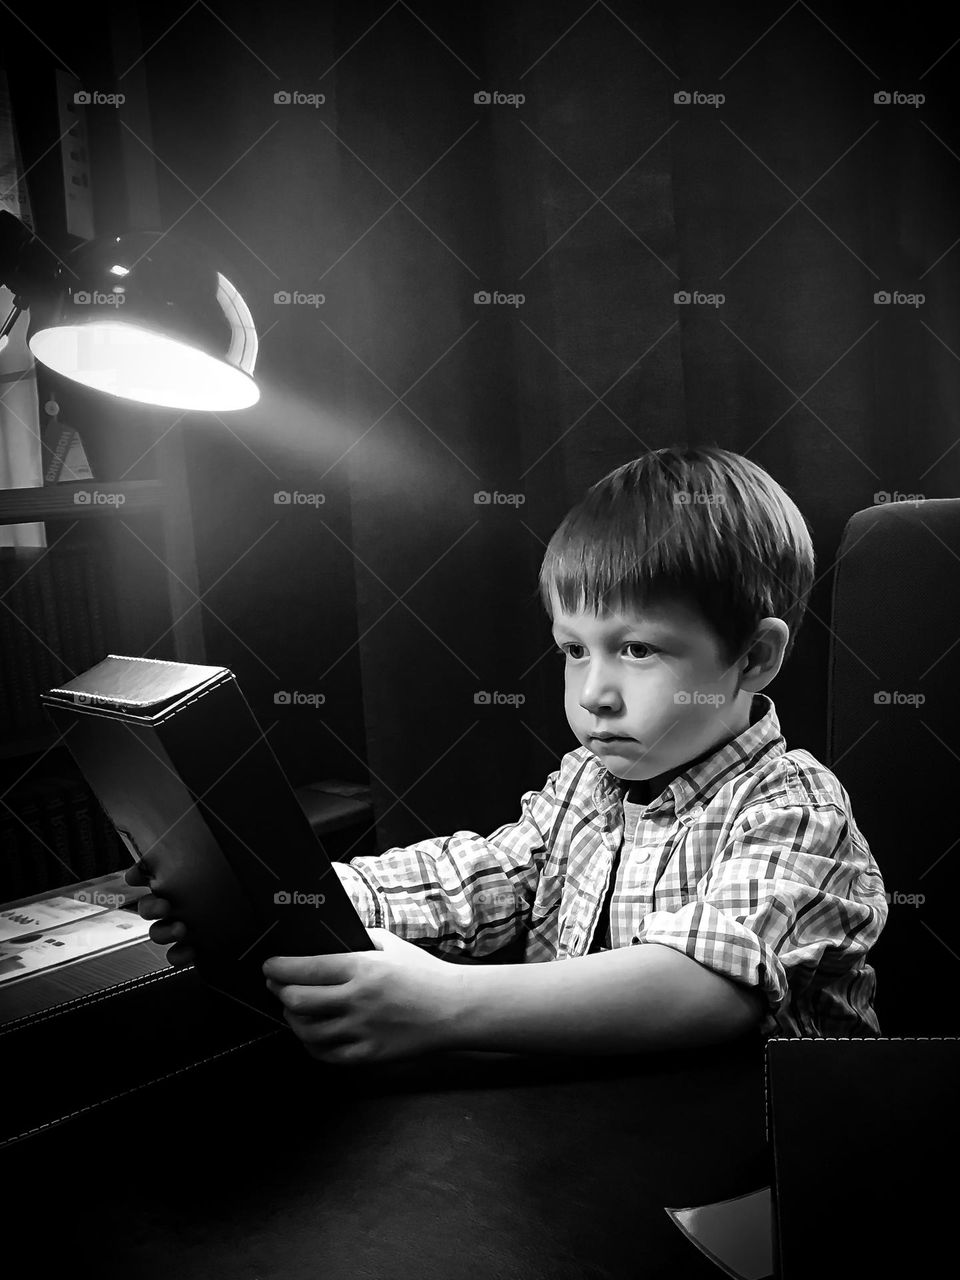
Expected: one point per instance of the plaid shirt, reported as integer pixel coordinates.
(750, 862)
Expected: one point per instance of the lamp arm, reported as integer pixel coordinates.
(15, 312)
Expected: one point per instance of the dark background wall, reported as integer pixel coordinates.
(399, 598)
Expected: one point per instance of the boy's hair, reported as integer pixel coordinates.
(699, 523)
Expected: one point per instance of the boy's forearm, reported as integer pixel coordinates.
(627, 1000)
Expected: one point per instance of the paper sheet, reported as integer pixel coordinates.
(49, 913)
(23, 956)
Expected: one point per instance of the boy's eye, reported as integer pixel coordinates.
(632, 644)
(562, 650)
(638, 644)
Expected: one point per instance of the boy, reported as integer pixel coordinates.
(700, 881)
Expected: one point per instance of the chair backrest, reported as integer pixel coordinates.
(861, 1131)
(893, 740)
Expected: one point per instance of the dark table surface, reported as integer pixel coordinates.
(265, 1163)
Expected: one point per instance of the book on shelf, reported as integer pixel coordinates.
(64, 455)
(95, 600)
(15, 866)
(59, 619)
(33, 853)
(60, 862)
(74, 613)
(57, 833)
(16, 638)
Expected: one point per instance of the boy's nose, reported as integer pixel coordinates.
(599, 691)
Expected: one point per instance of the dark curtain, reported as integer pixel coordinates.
(797, 198)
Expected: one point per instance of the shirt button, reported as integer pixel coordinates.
(642, 855)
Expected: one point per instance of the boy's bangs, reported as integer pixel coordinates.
(641, 565)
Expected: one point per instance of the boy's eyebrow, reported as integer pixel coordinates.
(652, 628)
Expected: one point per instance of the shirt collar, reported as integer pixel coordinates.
(695, 786)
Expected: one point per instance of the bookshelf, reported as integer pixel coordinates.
(114, 577)
(64, 501)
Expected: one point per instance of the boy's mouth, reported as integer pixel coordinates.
(611, 737)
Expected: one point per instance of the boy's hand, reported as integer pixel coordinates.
(152, 907)
(368, 1006)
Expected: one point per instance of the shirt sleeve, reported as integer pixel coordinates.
(790, 905)
(465, 894)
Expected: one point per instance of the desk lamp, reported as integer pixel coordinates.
(143, 316)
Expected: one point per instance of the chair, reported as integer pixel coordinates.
(892, 740)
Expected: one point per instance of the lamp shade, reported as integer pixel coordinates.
(146, 316)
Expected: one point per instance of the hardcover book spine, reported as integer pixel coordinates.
(61, 858)
(39, 665)
(11, 876)
(93, 599)
(113, 853)
(34, 846)
(68, 623)
(56, 670)
(16, 673)
(84, 837)
(7, 623)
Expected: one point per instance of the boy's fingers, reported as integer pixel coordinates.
(181, 954)
(165, 932)
(136, 875)
(150, 907)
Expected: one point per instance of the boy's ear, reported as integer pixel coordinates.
(764, 657)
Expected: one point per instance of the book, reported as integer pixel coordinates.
(112, 852)
(64, 455)
(62, 862)
(167, 745)
(17, 647)
(39, 666)
(93, 601)
(33, 846)
(55, 671)
(11, 878)
(73, 648)
(82, 831)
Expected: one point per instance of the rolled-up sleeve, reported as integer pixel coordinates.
(790, 905)
(464, 894)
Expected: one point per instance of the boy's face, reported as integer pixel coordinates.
(659, 682)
